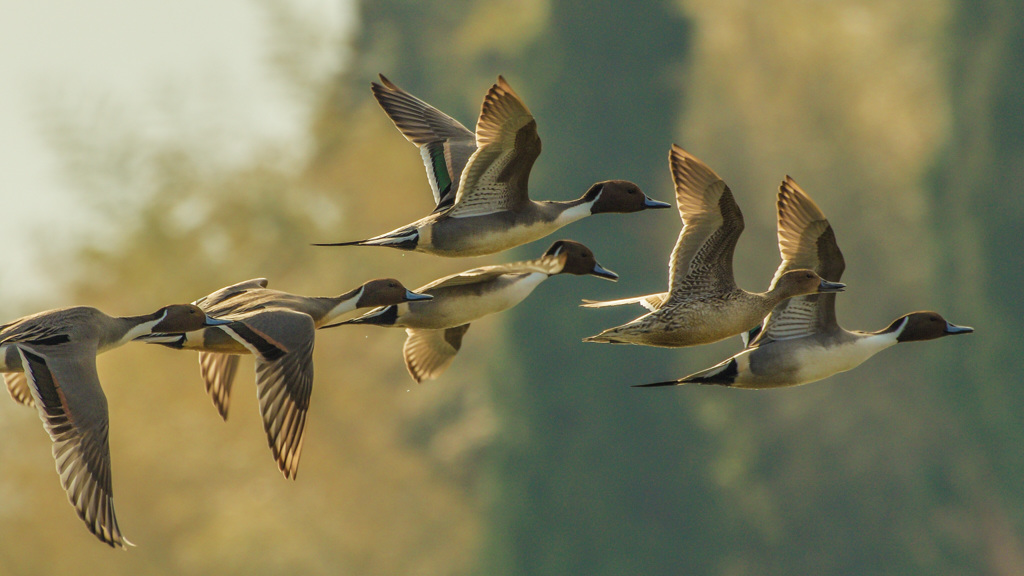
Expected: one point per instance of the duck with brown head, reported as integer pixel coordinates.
(435, 328)
(480, 181)
(49, 361)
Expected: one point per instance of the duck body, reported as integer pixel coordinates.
(691, 322)
(73, 326)
(798, 361)
(460, 304)
(794, 362)
(479, 235)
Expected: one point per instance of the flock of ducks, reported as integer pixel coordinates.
(479, 182)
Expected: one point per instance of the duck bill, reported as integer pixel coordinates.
(651, 203)
(411, 296)
(215, 322)
(830, 287)
(602, 272)
(954, 329)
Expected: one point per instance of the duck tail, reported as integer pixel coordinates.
(722, 374)
(655, 384)
(403, 239)
(608, 336)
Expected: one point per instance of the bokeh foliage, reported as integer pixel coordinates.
(532, 455)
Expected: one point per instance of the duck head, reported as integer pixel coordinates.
(804, 281)
(577, 259)
(620, 196)
(183, 318)
(386, 291)
(918, 326)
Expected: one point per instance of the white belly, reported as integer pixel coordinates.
(818, 362)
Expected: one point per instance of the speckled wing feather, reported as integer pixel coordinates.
(445, 144)
(701, 262)
(806, 240)
(497, 175)
(428, 353)
(17, 385)
(75, 416)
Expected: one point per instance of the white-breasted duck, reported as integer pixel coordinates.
(49, 361)
(480, 181)
(435, 328)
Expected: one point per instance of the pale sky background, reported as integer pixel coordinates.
(209, 59)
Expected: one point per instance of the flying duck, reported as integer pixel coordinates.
(435, 328)
(480, 180)
(49, 361)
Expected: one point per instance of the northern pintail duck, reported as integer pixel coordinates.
(480, 180)
(703, 304)
(801, 341)
(278, 328)
(435, 328)
(52, 355)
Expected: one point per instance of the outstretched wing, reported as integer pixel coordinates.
(428, 353)
(73, 409)
(218, 372)
(497, 175)
(282, 341)
(806, 240)
(445, 144)
(701, 261)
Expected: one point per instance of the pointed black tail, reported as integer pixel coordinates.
(403, 239)
(655, 384)
(356, 243)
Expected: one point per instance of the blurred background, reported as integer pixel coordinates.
(153, 153)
